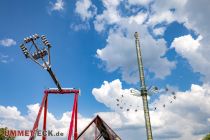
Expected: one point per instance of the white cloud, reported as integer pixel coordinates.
(159, 31)
(5, 58)
(82, 26)
(85, 9)
(109, 16)
(186, 44)
(194, 15)
(120, 53)
(167, 17)
(12, 118)
(139, 2)
(7, 42)
(57, 6)
(156, 16)
(197, 20)
(189, 112)
(167, 11)
(10, 112)
(111, 3)
(109, 92)
(115, 56)
(192, 50)
(139, 18)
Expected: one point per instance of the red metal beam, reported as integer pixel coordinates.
(38, 117)
(63, 91)
(45, 118)
(45, 105)
(72, 118)
(76, 111)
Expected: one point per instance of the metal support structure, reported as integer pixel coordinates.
(54, 78)
(102, 130)
(45, 117)
(76, 110)
(73, 121)
(41, 55)
(143, 88)
(44, 104)
(36, 124)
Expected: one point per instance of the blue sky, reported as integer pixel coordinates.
(93, 42)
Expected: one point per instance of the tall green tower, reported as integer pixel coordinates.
(143, 88)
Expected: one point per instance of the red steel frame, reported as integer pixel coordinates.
(73, 122)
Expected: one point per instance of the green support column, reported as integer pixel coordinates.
(143, 89)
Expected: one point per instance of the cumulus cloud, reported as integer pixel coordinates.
(197, 20)
(7, 42)
(120, 54)
(194, 15)
(57, 6)
(192, 50)
(186, 44)
(12, 118)
(187, 118)
(85, 9)
(109, 16)
(167, 12)
(157, 15)
(109, 92)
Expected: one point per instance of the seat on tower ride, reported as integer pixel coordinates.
(98, 130)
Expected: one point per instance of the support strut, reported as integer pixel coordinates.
(44, 104)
